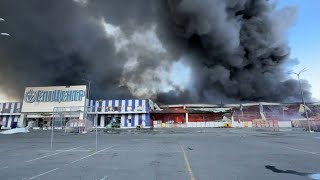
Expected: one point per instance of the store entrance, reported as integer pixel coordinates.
(113, 121)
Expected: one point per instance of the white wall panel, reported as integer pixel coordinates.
(129, 117)
(122, 120)
(9, 121)
(32, 93)
(284, 124)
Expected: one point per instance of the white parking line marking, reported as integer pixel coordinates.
(44, 173)
(310, 152)
(104, 178)
(143, 151)
(80, 150)
(5, 167)
(187, 163)
(53, 154)
(91, 154)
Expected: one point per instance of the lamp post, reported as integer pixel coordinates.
(302, 96)
(96, 114)
(89, 84)
(88, 97)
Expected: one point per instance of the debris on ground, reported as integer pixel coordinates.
(190, 148)
(14, 131)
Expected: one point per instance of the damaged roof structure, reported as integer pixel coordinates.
(254, 113)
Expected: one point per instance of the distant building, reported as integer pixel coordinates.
(10, 113)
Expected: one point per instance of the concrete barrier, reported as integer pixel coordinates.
(260, 123)
(213, 124)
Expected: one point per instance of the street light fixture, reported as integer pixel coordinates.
(302, 96)
(4, 34)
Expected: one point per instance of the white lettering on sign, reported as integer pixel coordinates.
(53, 96)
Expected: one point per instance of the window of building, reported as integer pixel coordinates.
(117, 108)
(99, 109)
(129, 108)
(139, 108)
(129, 121)
(110, 108)
(99, 120)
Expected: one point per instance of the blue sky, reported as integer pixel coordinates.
(304, 39)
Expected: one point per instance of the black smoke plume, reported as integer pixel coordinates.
(237, 50)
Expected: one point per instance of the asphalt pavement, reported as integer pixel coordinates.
(162, 154)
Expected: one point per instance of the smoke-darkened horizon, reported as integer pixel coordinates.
(236, 50)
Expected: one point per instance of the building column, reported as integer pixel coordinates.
(21, 121)
(102, 120)
(187, 119)
(187, 116)
(10, 119)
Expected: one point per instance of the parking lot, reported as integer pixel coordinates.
(193, 153)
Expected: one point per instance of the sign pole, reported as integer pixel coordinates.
(96, 119)
(52, 122)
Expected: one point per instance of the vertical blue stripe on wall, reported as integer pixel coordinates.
(148, 113)
(126, 115)
(126, 120)
(134, 105)
(9, 109)
(12, 119)
(147, 105)
(140, 115)
(140, 119)
(7, 119)
(14, 124)
(15, 107)
(126, 105)
(113, 103)
(120, 104)
(133, 115)
(132, 120)
(148, 119)
(140, 103)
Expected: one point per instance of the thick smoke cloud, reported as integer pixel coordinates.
(237, 50)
